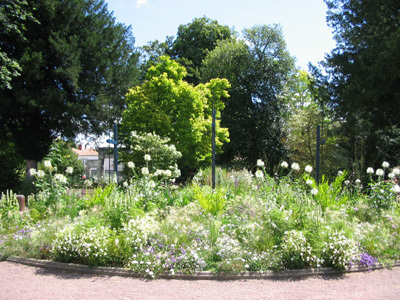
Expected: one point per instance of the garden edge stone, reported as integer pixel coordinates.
(203, 275)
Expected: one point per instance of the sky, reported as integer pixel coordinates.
(305, 30)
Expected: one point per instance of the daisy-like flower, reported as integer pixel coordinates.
(308, 169)
(260, 163)
(284, 165)
(380, 172)
(295, 166)
(259, 174)
(145, 171)
(69, 170)
(47, 164)
(370, 170)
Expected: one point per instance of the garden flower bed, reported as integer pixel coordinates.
(247, 224)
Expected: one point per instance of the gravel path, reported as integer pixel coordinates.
(19, 281)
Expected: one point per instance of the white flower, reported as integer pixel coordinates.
(259, 174)
(295, 166)
(69, 170)
(61, 178)
(40, 173)
(152, 184)
(88, 183)
(339, 173)
(131, 165)
(396, 171)
(380, 172)
(385, 165)
(370, 170)
(167, 173)
(284, 165)
(260, 163)
(314, 191)
(308, 169)
(32, 172)
(309, 182)
(396, 189)
(125, 184)
(391, 175)
(358, 181)
(47, 164)
(145, 171)
(147, 157)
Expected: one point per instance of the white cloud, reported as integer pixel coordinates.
(140, 3)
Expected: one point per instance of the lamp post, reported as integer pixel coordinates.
(319, 143)
(115, 143)
(213, 147)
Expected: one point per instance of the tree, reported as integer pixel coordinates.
(257, 66)
(168, 106)
(364, 77)
(76, 65)
(13, 14)
(194, 41)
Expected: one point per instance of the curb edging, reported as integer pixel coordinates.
(203, 275)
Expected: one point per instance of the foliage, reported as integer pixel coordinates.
(162, 155)
(362, 78)
(194, 41)
(76, 64)
(170, 107)
(271, 224)
(257, 66)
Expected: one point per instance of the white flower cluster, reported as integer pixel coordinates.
(339, 250)
(296, 250)
(138, 230)
(60, 178)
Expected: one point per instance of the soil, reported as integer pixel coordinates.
(18, 281)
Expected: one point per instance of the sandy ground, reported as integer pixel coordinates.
(19, 281)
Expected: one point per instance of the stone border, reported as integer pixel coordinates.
(196, 276)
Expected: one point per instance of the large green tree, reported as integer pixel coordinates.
(194, 41)
(76, 64)
(363, 80)
(170, 107)
(257, 66)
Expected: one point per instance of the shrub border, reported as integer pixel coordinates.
(113, 271)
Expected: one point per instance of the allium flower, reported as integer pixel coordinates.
(295, 166)
(145, 171)
(314, 191)
(32, 172)
(147, 157)
(396, 171)
(339, 173)
(309, 182)
(69, 170)
(260, 163)
(380, 172)
(358, 181)
(259, 174)
(385, 165)
(308, 169)
(47, 164)
(131, 165)
(370, 170)
(284, 165)
(40, 173)
(396, 189)
(391, 175)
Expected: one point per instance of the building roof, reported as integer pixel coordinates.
(86, 152)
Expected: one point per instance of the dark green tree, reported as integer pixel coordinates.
(257, 66)
(363, 81)
(194, 41)
(76, 66)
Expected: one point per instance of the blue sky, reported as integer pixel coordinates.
(304, 25)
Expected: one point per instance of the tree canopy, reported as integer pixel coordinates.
(364, 76)
(257, 66)
(76, 63)
(170, 107)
